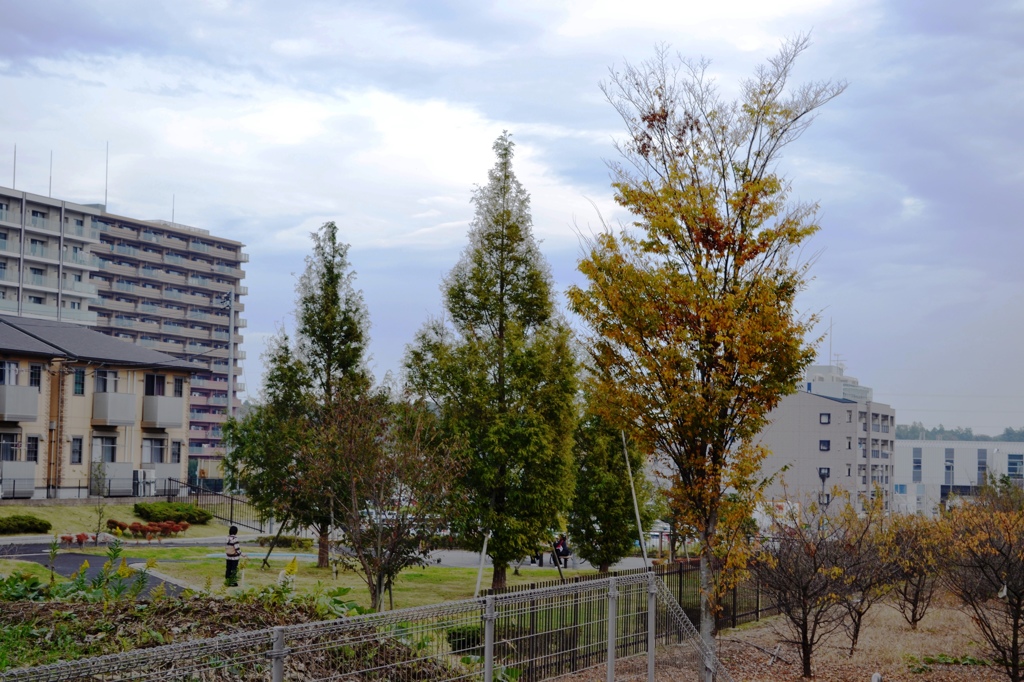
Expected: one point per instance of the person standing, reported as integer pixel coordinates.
(233, 554)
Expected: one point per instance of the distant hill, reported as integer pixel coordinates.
(917, 431)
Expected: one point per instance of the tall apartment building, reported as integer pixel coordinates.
(165, 286)
(832, 427)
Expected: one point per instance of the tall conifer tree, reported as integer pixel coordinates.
(501, 372)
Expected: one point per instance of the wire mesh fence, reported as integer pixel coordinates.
(527, 636)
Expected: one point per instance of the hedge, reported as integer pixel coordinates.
(12, 525)
(155, 512)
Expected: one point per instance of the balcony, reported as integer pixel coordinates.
(39, 252)
(41, 282)
(42, 224)
(78, 287)
(9, 216)
(113, 409)
(10, 245)
(163, 412)
(19, 403)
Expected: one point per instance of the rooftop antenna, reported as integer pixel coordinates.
(830, 340)
(106, 177)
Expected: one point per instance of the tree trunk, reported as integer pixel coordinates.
(707, 614)
(323, 557)
(603, 568)
(498, 581)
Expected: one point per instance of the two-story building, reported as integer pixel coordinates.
(82, 413)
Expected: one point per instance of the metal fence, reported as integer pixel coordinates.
(630, 626)
(235, 511)
(741, 604)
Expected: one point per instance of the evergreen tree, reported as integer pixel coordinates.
(502, 375)
(281, 453)
(602, 523)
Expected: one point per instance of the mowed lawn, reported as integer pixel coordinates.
(71, 520)
(415, 586)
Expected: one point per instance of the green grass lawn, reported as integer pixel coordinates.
(70, 520)
(10, 566)
(415, 586)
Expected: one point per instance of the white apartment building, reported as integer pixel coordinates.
(169, 287)
(830, 428)
(929, 471)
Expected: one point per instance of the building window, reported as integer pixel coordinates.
(37, 300)
(917, 465)
(8, 373)
(155, 384)
(35, 376)
(982, 466)
(76, 450)
(176, 452)
(825, 418)
(153, 450)
(179, 387)
(1015, 465)
(9, 447)
(79, 388)
(824, 445)
(104, 449)
(32, 449)
(106, 381)
(900, 488)
(949, 466)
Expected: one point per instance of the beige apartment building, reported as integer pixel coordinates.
(84, 414)
(828, 434)
(160, 285)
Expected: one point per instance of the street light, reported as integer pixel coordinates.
(823, 474)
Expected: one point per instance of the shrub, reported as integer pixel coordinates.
(286, 542)
(172, 511)
(12, 525)
(464, 638)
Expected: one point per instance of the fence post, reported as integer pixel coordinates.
(613, 597)
(757, 599)
(735, 589)
(652, 608)
(277, 654)
(232, 514)
(489, 638)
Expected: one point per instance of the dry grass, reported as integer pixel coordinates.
(887, 645)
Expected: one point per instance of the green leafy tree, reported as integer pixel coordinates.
(695, 335)
(279, 452)
(502, 375)
(602, 522)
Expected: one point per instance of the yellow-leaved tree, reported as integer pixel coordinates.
(694, 331)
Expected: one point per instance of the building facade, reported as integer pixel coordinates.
(81, 414)
(160, 285)
(829, 434)
(929, 471)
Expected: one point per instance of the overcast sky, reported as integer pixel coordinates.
(265, 119)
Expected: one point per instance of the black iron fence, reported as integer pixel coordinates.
(233, 510)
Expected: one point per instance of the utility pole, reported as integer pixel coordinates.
(231, 352)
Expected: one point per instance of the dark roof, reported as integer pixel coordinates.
(63, 339)
(828, 397)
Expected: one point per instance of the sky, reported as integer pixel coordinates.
(261, 120)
